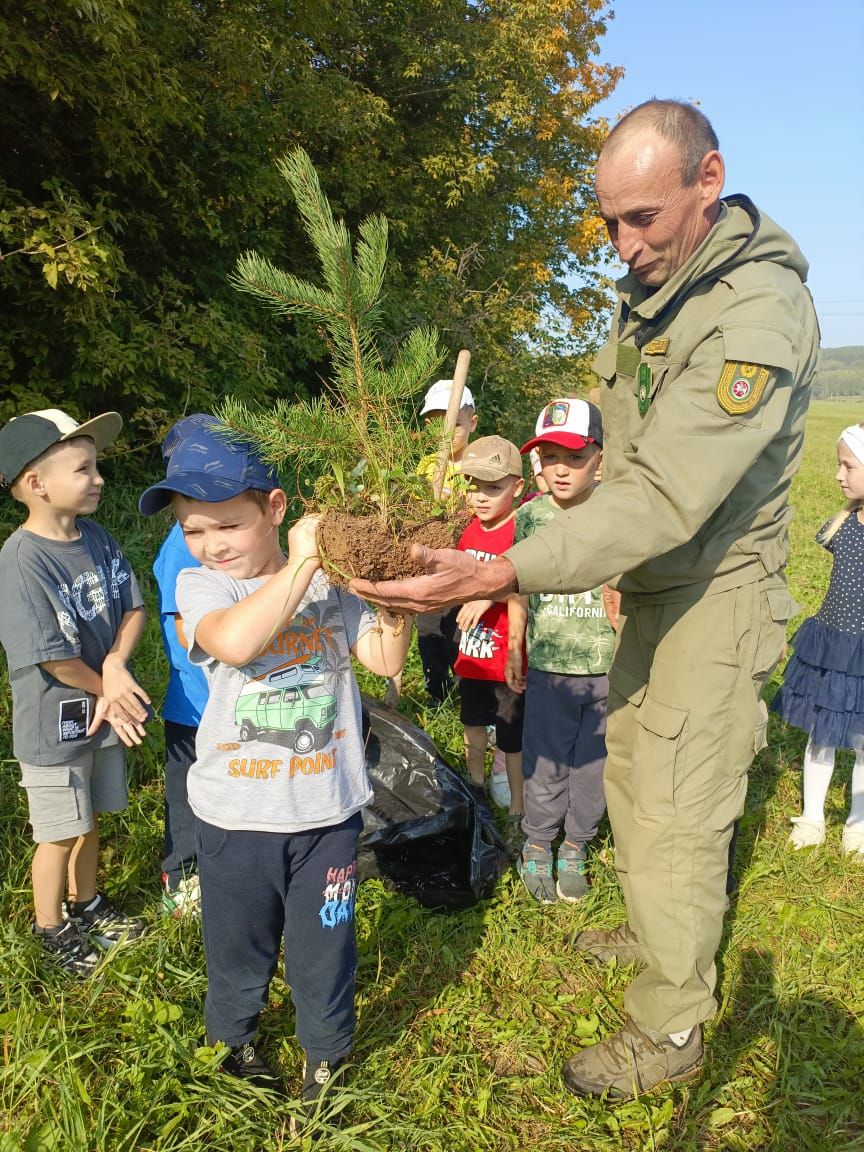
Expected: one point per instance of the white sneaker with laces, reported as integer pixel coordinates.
(806, 833)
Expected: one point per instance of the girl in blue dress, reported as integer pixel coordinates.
(823, 689)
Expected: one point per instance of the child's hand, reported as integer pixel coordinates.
(395, 623)
(303, 540)
(124, 695)
(100, 711)
(472, 612)
(128, 731)
(514, 670)
(612, 605)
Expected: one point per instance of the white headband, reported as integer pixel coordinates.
(853, 438)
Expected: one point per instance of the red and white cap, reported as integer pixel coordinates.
(569, 422)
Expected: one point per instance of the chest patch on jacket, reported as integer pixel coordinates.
(627, 359)
(740, 386)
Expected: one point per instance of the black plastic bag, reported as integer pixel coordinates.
(425, 832)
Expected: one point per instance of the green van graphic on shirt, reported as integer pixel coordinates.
(292, 703)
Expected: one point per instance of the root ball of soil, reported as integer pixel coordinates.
(372, 549)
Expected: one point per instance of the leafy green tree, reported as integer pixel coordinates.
(138, 145)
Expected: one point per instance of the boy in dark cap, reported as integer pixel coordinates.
(71, 614)
(279, 778)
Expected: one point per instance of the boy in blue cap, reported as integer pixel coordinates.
(279, 779)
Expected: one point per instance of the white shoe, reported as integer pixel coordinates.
(806, 833)
(499, 789)
(853, 839)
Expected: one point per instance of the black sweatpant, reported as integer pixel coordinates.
(438, 646)
(178, 860)
(257, 887)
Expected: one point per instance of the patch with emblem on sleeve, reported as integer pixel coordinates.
(740, 386)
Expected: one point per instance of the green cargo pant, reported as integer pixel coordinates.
(685, 719)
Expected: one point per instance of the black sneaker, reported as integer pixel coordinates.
(245, 1063)
(101, 920)
(68, 949)
(318, 1079)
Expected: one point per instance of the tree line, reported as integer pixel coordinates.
(840, 373)
(140, 140)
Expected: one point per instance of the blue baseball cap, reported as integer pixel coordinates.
(206, 466)
(183, 428)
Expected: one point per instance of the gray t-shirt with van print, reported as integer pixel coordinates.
(280, 744)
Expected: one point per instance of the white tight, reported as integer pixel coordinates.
(818, 769)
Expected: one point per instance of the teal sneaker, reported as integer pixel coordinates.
(535, 871)
(572, 883)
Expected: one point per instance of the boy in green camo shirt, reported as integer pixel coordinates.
(570, 645)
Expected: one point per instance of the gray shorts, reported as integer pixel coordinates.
(62, 800)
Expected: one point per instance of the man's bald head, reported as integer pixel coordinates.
(658, 182)
(687, 129)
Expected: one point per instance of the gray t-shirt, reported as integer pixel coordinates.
(60, 599)
(280, 744)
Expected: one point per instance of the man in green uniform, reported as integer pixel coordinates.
(705, 383)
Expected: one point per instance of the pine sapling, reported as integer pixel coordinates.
(360, 440)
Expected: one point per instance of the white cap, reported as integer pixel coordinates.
(438, 397)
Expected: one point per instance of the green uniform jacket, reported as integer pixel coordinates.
(694, 497)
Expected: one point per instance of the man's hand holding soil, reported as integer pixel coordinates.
(452, 578)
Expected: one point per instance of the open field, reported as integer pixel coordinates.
(464, 1020)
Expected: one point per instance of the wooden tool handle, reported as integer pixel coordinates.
(460, 376)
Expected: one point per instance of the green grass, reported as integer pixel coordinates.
(464, 1020)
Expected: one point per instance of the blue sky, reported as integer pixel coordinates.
(782, 81)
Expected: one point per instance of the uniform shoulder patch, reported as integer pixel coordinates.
(740, 386)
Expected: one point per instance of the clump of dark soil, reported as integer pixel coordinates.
(370, 548)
